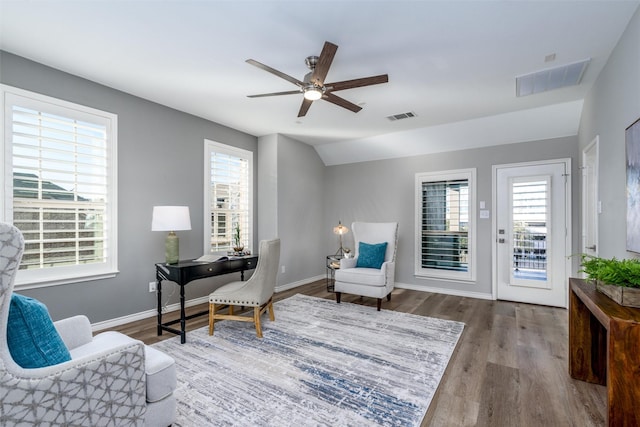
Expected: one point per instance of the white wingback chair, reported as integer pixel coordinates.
(369, 282)
(111, 379)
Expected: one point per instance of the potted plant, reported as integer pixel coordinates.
(619, 279)
(237, 244)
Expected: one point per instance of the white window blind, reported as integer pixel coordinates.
(59, 160)
(228, 197)
(530, 218)
(445, 223)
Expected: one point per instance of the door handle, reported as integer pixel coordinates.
(591, 248)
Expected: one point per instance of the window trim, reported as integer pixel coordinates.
(213, 146)
(29, 279)
(432, 273)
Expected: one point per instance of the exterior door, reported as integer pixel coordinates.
(532, 232)
(590, 202)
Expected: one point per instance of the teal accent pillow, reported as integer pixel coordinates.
(32, 339)
(371, 256)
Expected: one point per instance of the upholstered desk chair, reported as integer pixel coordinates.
(371, 273)
(106, 380)
(257, 292)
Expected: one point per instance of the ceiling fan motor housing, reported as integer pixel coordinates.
(311, 62)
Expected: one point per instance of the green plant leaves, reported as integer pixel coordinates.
(613, 271)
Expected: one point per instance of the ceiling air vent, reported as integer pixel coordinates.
(401, 116)
(550, 79)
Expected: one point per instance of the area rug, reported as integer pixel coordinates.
(319, 364)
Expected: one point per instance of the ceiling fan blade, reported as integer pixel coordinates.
(304, 107)
(324, 62)
(365, 81)
(328, 96)
(290, 92)
(275, 72)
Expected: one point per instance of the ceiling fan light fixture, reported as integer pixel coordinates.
(313, 93)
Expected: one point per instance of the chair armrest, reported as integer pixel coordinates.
(387, 265)
(348, 262)
(94, 388)
(74, 331)
(389, 270)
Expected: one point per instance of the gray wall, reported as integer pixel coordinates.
(610, 107)
(297, 203)
(384, 191)
(160, 162)
(267, 187)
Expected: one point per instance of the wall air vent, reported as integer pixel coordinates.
(550, 79)
(401, 116)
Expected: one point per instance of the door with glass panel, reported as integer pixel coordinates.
(533, 232)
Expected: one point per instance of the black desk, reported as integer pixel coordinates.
(186, 271)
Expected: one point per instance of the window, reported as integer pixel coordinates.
(445, 224)
(60, 187)
(228, 198)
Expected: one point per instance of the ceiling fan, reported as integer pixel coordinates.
(313, 86)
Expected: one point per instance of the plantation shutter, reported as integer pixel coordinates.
(62, 198)
(229, 200)
(445, 225)
(59, 188)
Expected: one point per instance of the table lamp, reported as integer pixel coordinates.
(340, 230)
(171, 219)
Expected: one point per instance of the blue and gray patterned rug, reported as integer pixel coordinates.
(319, 364)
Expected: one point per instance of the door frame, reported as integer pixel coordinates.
(494, 222)
(593, 145)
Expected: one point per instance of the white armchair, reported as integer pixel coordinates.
(111, 379)
(358, 277)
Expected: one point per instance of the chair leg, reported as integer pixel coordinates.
(338, 296)
(389, 296)
(256, 320)
(379, 303)
(230, 310)
(212, 311)
(272, 315)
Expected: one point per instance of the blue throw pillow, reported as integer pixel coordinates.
(32, 339)
(371, 256)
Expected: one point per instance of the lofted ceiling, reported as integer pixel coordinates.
(452, 63)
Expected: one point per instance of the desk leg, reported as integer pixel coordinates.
(183, 320)
(159, 296)
(587, 344)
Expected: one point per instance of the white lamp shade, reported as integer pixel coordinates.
(340, 229)
(170, 218)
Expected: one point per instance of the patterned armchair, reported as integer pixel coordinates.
(111, 379)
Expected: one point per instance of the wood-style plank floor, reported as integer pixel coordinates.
(510, 367)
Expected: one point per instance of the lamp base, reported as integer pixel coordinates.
(171, 248)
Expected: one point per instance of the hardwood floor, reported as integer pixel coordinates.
(510, 367)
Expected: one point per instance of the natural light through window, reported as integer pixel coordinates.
(445, 224)
(228, 198)
(62, 168)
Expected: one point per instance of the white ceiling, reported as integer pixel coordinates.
(452, 63)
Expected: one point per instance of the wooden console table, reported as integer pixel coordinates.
(604, 348)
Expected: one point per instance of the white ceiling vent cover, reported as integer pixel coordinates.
(551, 78)
(401, 116)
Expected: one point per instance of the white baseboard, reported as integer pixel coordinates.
(292, 285)
(455, 292)
(112, 323)
(108, 324)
